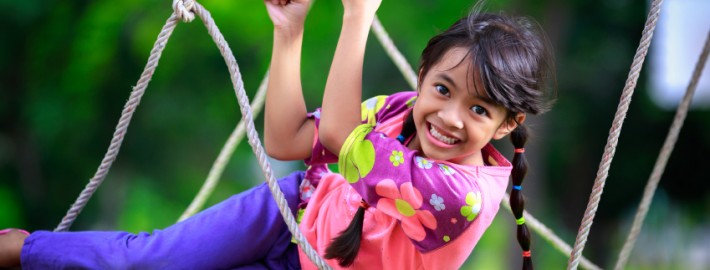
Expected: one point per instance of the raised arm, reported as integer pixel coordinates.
(343, 90)
(288, 134)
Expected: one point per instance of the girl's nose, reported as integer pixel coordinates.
(450, 116)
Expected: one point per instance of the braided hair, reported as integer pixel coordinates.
(514, 65)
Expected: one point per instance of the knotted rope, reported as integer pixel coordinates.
(663, 157)
(184, 10)
(614, 133)
(121, 128)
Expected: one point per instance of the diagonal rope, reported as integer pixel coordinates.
(394, 54)
(548, 234)
(184, 10)
(121, 127)
(663, 157)
(224, 156)
(226, 153)
(253, 137)
(614, 133)
(411, 78)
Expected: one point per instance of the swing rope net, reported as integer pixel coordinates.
(185, 10)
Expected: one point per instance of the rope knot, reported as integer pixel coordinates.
(183, 9)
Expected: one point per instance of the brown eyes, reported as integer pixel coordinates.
(477, 109)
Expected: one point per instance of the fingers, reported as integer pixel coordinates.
(279, 2)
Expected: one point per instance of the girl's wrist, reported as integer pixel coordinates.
(358, 16)
(288, 32)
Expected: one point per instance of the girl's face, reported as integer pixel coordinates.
(454, 119)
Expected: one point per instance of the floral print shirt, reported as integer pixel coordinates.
(419, 207)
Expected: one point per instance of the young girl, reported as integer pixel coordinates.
(419, 182)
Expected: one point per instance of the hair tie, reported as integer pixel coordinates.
(520, 221)
(400, 138)
(519, 150)
(364, 205)
(516, 187)
(526, 253)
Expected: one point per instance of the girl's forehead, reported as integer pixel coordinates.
(454, 57)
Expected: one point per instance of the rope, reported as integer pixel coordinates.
(121, 128)
(253, 137)
(548, 234)
(184, 10)
(392, 51)
(663, 157)
(224, 156)
(614, 133)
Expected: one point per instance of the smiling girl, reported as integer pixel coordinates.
(418, 182)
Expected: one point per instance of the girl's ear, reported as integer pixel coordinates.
(509, 125)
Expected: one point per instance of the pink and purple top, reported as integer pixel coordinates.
(424, 214)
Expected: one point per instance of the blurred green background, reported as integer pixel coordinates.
(67, 68)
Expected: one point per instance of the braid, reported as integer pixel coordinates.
(346, 246)
(408, 128)
(517, 203)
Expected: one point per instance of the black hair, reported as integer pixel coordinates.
(514, 64)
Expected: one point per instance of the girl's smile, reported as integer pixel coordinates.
(441, 137)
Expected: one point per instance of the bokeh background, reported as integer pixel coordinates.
(67, 68)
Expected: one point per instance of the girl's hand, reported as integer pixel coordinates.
(287, 14)
(361, 7)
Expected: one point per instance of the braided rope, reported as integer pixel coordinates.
(394, 54)
(253, 137)
(184, 10)
(548, 234)
(121, 128)
(614, 133)
(663, 157)
(224, 156)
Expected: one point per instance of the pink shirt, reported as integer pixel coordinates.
(424, 214)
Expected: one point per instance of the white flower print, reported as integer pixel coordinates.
(446, 170)
(437, 202)
(423, 162)
(371, 103)
(306, 189)
(316, 114)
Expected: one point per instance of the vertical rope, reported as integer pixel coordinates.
(663, 157)
(614, 133)
(253, 137)
(122, 126)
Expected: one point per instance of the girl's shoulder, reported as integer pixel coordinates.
(378, 109)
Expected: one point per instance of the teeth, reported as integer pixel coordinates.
(441, 137)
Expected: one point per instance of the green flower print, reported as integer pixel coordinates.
(410, 102)
(370, 107)
(360, 160)
(473, 205)
(397, 158)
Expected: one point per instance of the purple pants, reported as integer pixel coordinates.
(245, 231)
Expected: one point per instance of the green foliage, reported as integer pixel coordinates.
(67, 68)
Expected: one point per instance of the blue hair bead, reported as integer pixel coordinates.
(400, 138)
(516, 187)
